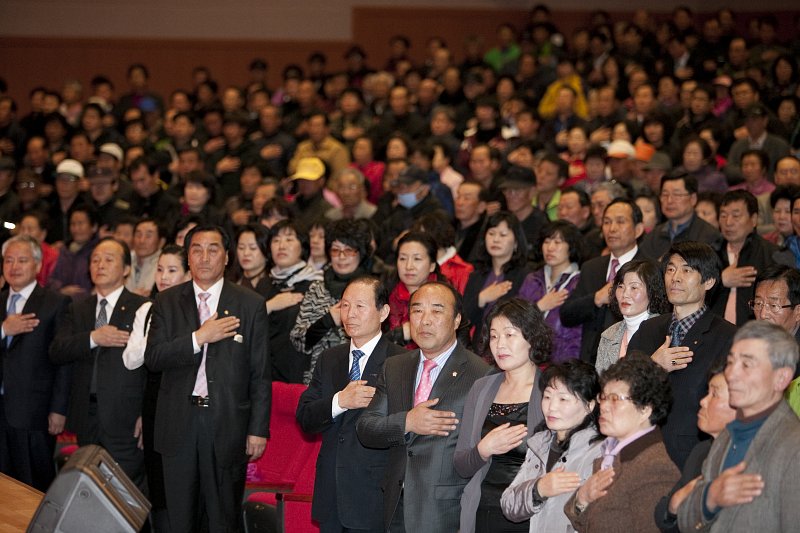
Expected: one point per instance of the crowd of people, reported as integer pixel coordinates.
(508, 282)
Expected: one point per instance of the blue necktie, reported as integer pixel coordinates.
(355, 371)
(12, 310)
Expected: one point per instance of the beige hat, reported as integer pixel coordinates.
(113, 150)
(309, 168)
(71, 167)
(622, 150)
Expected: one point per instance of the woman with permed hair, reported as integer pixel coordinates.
(635, 469)
(319, 325)
(500, 413)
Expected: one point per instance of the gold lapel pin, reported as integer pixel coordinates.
(122, 308)
(225, 312)
(455, 374)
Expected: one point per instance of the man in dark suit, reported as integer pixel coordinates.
(686, 342)
(209, 338)
(34, 393)
(347, 491)
(678, 200)
(415, 412)
(744, 254)
(106, 398)
(587, 306)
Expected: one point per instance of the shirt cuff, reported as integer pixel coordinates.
(196, 347)
(92, 344)
(336, 409)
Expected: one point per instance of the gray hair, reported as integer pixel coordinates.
(352, 172)
(782, 348)
(613, 189)
(36, 248)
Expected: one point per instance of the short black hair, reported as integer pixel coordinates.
(526, 317)
(653, 280)
(784, 192)
(426, 240)
(741, 195)
(160, 229)
(581, 379)
(204, 228)
(91, 213)
(261, 234)
(583, 197)
(700, 257)
(571, 235)
(126, 251)
(787, 274)
(437, 224)
(689, 181)
(648, 383)
(300, 233)
(762, 156)
(379, 289)
(638, 217)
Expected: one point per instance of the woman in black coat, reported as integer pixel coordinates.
(500, 269)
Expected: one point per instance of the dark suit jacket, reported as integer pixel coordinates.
(710, 339)
(657, 242)
(119, 390)
(757, 252)
(579, 309)
(420, 466)
(33, 386)
(349, 476)
(238, 372)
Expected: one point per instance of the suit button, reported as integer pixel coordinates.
(341, 439)
(410, 453)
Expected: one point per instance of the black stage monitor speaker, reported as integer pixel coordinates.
(91, 493)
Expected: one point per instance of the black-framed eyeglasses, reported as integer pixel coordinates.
(758, 305)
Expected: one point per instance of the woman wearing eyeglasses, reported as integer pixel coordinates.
(634, 468)
(319, 324)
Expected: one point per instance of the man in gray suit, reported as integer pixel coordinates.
(751, 476)
(415, 412)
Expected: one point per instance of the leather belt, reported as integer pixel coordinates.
(200, 401)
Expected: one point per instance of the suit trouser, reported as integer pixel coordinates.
(123, 448)
(26, 455)
(197, 487)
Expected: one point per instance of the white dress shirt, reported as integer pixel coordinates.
(213, 301)
(24, 294)
(111, 302)
(367, 348)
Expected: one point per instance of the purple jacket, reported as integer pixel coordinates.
(566, 341)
